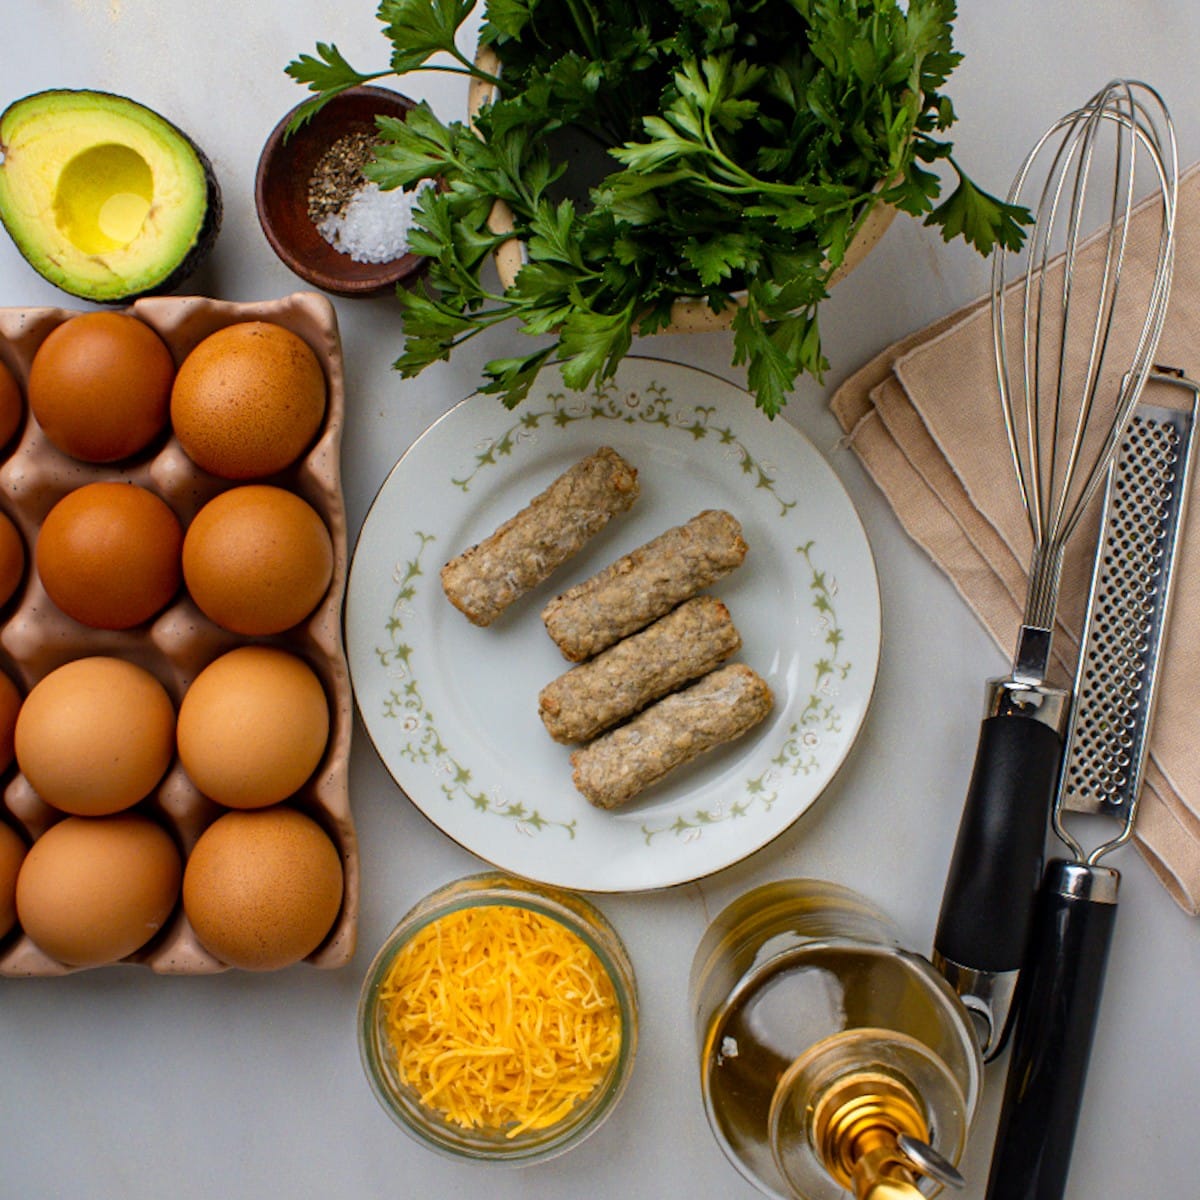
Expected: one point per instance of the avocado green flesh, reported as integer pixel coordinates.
(102, 196)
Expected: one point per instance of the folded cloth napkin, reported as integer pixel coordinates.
(924, 416)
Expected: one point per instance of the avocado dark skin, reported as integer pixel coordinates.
(127, 205)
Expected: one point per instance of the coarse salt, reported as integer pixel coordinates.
(373, 226)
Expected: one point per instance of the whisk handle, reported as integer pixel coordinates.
(1061, 985)
(987, 904)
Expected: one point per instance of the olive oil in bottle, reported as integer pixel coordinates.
(825, 1047)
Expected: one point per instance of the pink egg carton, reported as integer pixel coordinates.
(36, 637)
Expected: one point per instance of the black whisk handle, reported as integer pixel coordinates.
(987, 905)
(994, 873)
(1061, 985)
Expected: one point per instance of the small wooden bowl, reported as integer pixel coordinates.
(285, 168)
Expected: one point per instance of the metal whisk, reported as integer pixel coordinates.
(1058, 476)
(1066, 408)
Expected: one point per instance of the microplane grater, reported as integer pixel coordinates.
(1062, 977)
(1116, 679)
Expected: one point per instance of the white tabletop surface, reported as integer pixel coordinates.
(120, 1084)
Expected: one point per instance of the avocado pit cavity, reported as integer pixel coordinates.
(103, 198)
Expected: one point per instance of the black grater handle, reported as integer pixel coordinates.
(1061, 984)
(994, 873)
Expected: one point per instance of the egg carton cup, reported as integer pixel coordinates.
(177, 644)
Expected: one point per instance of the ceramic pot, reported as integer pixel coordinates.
(687, 315)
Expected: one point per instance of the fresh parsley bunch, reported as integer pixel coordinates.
(743, 143)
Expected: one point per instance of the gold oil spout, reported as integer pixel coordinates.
(871, 1133)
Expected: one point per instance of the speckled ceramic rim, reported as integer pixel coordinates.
(580, 918)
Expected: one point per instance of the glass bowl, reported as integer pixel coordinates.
(424, 1122)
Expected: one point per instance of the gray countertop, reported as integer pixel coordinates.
(120, 1084)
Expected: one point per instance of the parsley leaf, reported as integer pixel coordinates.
(418, 29)
(981, 219)
(328, 74)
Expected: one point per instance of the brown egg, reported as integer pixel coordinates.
(257, 559)
(12, 854)
(93, 890)
(12, 558)
(95, 735)
(262, 889)
(248, 400)
(100, 386)
(253, 727)
(108, 554)
(10, 706)
(11, 408)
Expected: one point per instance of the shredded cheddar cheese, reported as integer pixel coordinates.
(500, 1018)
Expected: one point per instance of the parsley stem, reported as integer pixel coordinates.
(469, 70)
(586, 29)
(470, 67)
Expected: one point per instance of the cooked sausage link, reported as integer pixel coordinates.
(637, 589)
(484, 580)
(723, 706)
(685, 644)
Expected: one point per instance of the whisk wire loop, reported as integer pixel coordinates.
(1056, 402)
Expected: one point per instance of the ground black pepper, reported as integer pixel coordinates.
(338, 175)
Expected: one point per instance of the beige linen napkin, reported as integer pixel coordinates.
(924, 417)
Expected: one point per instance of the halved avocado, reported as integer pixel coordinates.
(103, 197)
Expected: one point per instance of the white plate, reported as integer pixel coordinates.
(452, 708)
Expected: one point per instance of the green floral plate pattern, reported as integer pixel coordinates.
(452, 709)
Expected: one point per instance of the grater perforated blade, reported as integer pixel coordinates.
(1115, 682)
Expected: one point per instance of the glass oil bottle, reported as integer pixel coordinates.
(833, 1061)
